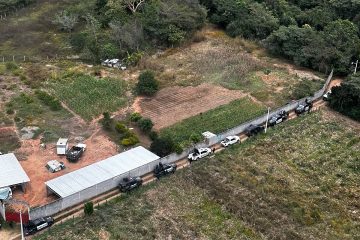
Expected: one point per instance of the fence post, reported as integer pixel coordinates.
(13, 58)
(24, 58)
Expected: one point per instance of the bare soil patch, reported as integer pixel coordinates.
(173, 104)
(33, 160)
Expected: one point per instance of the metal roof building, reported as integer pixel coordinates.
(11, 172)
(103, 175)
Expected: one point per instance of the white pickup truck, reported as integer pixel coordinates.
(199, 153)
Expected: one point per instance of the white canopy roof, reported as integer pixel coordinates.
(11, 172)
(96, 173)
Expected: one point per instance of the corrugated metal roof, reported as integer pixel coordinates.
(11, 172)
(96, 173)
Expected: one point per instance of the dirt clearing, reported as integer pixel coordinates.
(173, 104)
(98, 148)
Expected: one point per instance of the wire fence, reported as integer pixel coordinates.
(36, 59)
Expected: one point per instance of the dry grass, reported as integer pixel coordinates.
(301, 181)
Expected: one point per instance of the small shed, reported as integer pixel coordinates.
(11, 172)
(210, 138)
(62, 146)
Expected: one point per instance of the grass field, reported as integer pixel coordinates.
(216, 120)
(233, 63)
(301, 181)
(29, 111)
(88, 96)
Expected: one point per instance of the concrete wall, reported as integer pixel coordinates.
(2, 210)
(86, 194)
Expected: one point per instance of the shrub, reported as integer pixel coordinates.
(26, 98)
(153, 135)
(135, 117)
(10, 111)
(130, 141)
(145, 124)
(121, 128)
(11, 66)
(106, 122)
(178, 149)
(147, 84)
(88, 208)
(49, 100)
(195, 138)
(163, 146)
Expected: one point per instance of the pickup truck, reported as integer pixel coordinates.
(199, 153)
(130, 183)
(74, 153)
(164, 169)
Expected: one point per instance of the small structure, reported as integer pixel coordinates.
(210, 138)
(62, 146)
(102, 176)
(11, 172)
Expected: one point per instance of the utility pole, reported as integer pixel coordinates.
(267, 119)
(356, 66)
(21, 225)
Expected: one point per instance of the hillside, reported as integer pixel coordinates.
(307, 188)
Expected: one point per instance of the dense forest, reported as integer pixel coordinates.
(318, 34)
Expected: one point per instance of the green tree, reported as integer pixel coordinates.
(145, 124)
(147, 84)
(346, 97)
(88, 208)
(162, 146)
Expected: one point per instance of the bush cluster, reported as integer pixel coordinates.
(48, 100)
(128, 137)
(147, 84)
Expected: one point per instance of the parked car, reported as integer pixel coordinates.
(164, 169)
(55, 166)
(230, 140)
(304, 107)
(199, 153)
(5, 193)
(129, 184)
(326, 96)
(34, 226)
(278, 118)
(74, 153)
(253, 130)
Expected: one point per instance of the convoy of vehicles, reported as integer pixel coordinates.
(130, 183)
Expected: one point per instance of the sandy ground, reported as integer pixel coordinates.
(99, 147)
(173, 104)
(9, 233)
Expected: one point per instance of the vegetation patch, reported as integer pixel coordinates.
(31, 111)
(88, 96)
(215, 120)
(298, 176)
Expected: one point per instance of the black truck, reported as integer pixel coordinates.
(253, 130)
(36, 225)
(164, 169)
(75, 152)
(130, 183)
(304, 107)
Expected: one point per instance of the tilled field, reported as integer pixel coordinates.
(173, 104)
